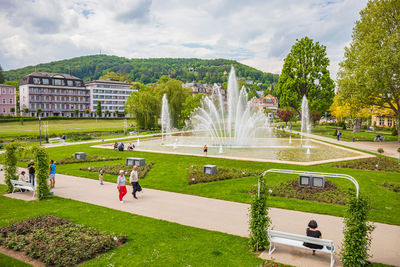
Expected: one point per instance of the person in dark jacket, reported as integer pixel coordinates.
(312, 231)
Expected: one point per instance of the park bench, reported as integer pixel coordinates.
(23, 185)
(294, 240)
(56, 139)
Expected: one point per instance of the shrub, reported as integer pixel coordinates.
(89, 158)
(357, 232)
(395, 187)
(259, 219)
(385, 164)
(395, 132)
(115, 168)
(56, 241)
(197, 176)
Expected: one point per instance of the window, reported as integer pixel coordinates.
(4, 100)
(4, 91)
(58, 82)
(36, 80)
(4, 110)
(78, 83)
(381, 121)
(70, 83)
(45, 81)
(11, 101)
(11, 91)
(390, 122)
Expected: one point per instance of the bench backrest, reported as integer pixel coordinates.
(16, 182)
(302, 238)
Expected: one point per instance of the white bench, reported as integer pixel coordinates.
(294, 240)
(23, 185)
(56, 139)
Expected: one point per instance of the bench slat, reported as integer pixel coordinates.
(308, 239)
(295, 243)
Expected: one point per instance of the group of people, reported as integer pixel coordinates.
(121, 182)
(32, 173)
(379, 138)
(121, 146)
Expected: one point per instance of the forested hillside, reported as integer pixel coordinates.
(148, 70)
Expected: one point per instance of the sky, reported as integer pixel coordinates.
(258, 33)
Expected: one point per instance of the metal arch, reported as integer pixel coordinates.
(326, 174)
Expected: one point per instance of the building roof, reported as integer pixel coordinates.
(52, 75)
(6, 85)
(108, 81)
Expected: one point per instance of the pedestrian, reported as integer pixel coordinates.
(101, 177)
(312, 231)
(121, 185)
(31, 169)
(63, 138)
(22, 178)
(52, 174)
(205, 149)
(338, 135)
(121, 147)
(134, 180)
(115, 145)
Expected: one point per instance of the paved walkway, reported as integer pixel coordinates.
(223, 216)
(390, 148)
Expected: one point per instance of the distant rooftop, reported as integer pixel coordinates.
(108, 81)
(52, 75)
(6, 85)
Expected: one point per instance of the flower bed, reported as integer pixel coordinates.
(291, 189)
(56, 241)
(197, 176)
(384, 164)
(115, 168)
(72, 159)
(395, 187)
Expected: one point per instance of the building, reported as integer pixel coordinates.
(268, 102)
(8, 100)
(203, 88)
(53, 94)
(112, 95)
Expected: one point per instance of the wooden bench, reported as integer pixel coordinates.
(294, 240)
(23, 185)
(56, 139)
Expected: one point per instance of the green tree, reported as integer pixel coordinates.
(98, 109)
(305, 72)
(76, 111)
(107, 113)
(122, 77)
(87, 112)
(190, 104)
(370, 72)
(116, 113)
(176, 96)
(38, 111)
(144, 106)
(1, 75)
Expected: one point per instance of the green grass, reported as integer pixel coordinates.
(151, 242)
(11, 262)
(347, 135)
(170, 173)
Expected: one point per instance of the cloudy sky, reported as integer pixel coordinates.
(258, 33)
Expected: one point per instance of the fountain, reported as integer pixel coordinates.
(231, 126)
(305, 116)
(165, 118)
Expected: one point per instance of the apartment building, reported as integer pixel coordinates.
(111, 93)
(53, 94)
(268, 102)
(8, 100)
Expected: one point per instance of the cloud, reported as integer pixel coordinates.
(256, 32)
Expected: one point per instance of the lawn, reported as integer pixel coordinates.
(170, 173)
(151, 242)
(11, 262)
(347, 135)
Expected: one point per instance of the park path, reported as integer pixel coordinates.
(390, 148)
(223, 216)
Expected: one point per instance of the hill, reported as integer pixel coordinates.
(148, 70)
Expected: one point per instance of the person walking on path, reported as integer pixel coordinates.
(205, 149)
(134, 180)
(312, 231)
(121, 186)
(101, 177)
(31, 168)
(52, 174)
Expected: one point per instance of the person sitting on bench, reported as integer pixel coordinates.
(115, 145)
(312, 231)
(121, 147)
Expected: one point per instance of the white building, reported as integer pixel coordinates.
(112, 95)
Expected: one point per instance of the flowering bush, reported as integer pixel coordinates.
(372, 164)
(115, 168)
(56, 241)
(197, 176)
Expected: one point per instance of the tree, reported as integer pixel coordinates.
(145, 106)
(76, 111)
(26, 110)
(98, 109)
(38, 111)
(176, 96)
(370, 71)
(87, 112)
(1, 75)
(305, 73)
(12, 110)
(122, 77)
(107, 113)
(315, 116)
(190, 104)
(116, 113)
(285, 115)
